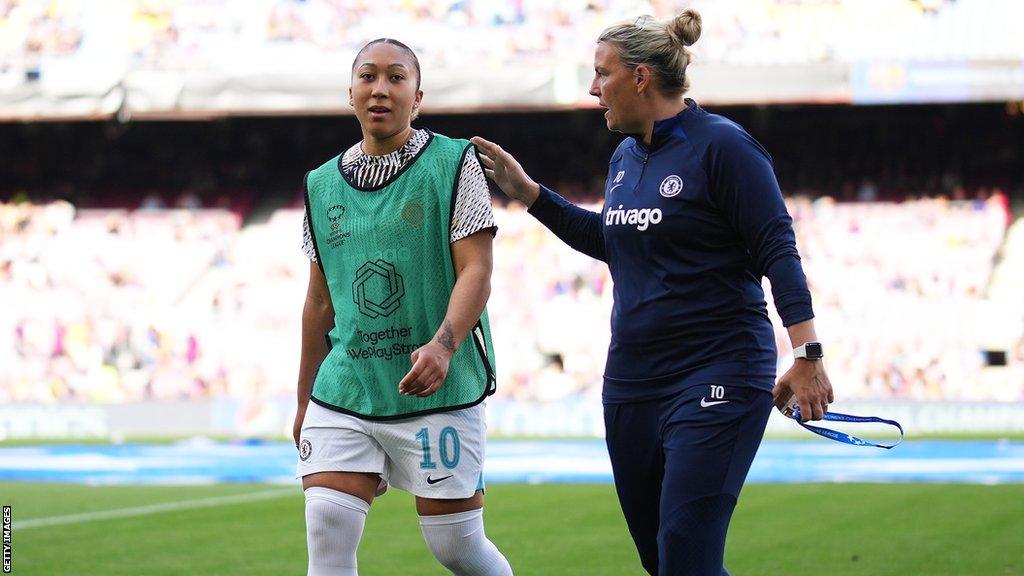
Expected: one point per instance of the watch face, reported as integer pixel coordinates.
(813, 350)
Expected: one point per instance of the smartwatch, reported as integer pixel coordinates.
(809, 351)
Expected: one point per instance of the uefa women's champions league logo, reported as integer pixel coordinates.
(334, 214)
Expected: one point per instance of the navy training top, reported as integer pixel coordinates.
(689, 227)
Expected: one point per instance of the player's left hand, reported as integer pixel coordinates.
(809, 383)
(429, 369)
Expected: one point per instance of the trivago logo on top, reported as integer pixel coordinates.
(642, 218)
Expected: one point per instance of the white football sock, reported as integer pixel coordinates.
(458, 542)
(334, 525)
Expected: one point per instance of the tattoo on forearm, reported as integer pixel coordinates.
(447, 337)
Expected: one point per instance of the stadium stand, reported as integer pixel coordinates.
(74, 58)
(151, 260)
(197, 34)
(117, 305)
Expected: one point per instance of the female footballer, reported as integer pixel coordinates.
(399, 231)
(692, 219)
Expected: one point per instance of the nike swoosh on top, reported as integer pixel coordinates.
(436, 480)
(613, 188)
(704, 402)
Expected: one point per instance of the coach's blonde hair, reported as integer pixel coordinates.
(659, 45)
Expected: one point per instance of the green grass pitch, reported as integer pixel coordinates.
(841, 529)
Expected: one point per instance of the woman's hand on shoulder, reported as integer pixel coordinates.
(506, 172)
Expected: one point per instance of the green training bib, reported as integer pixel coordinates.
(386, 255)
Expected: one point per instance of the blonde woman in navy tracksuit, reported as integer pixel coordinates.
(693, 218)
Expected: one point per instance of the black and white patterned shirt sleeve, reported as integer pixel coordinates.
(307, 239)
(472, 202)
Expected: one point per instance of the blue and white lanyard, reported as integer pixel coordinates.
(844, 437)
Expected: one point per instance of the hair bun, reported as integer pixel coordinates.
(686, 27)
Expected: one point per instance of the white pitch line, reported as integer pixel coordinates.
(154, 509)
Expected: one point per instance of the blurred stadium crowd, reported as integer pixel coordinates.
(64, 37)
(150, 260)
(115, 305)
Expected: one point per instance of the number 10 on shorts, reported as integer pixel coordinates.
(448, 448)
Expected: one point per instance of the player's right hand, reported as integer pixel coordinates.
(300, 415)
(430, 364)
(506, 172)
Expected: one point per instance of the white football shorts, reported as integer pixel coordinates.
(436, 456)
